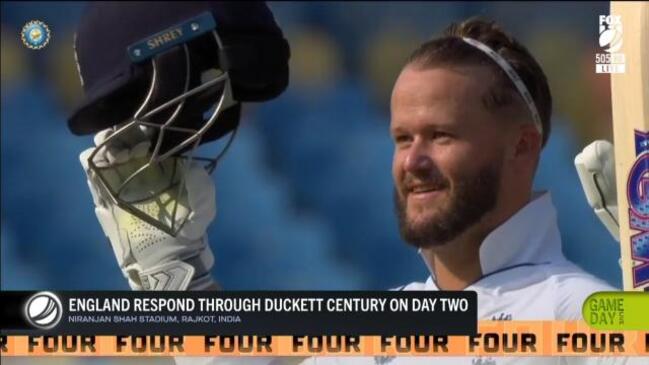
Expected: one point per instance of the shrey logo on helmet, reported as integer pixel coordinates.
(175, 77)
(43, 310)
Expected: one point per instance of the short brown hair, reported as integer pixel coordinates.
(450, 49)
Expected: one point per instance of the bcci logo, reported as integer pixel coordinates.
(610, 40)
(35, 34)
(44, 310)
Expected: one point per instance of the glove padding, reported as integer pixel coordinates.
(150, 258)
(596, 169)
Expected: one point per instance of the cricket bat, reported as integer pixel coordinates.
(630, 101)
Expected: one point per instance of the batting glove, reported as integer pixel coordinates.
(149, 258)
(596, 169)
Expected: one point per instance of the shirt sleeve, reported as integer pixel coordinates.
(572, 291)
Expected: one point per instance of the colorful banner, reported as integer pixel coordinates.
(494, 338)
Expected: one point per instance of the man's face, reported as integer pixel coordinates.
(448, 155)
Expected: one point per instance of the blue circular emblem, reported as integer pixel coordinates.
(35, 34)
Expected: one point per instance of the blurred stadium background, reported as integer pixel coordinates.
(305, 193)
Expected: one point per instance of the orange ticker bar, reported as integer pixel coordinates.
(494, 338)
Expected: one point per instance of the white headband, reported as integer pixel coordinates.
(509, 70)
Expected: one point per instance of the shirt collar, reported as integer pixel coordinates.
(530, 236)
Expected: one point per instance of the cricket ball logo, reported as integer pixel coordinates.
(43, 310)
(610, 33)
(638, 198)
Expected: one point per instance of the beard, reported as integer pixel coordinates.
(474, 196)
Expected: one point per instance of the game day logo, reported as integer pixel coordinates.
(610, 42)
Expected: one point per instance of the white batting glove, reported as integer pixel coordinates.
(596, 169)
(150, 258)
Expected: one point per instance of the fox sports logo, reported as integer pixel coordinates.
(44, 310)
(610, 32)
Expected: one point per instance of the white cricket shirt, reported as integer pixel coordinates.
(525, 277)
